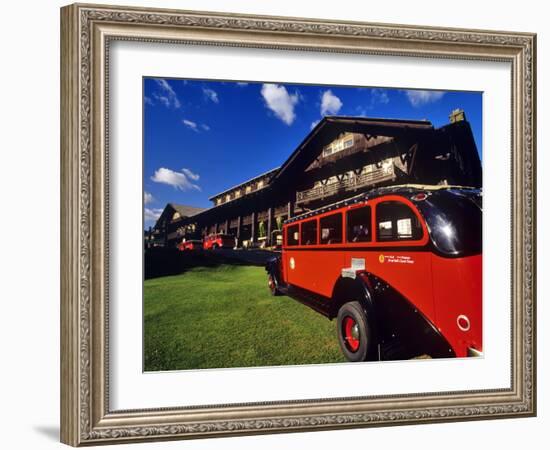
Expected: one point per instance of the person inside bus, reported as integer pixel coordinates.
(360, 233)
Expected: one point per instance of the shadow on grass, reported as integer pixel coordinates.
(161, 262)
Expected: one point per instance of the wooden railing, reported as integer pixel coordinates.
(348, 184)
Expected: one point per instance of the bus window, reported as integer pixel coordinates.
(359, 225)
(395, 221)
(309, 232)
(331, 229)
(292, 235)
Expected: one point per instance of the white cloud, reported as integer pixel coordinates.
(361, 111)
(419, 98)
(211, 95)
(279, 101)
(191, 175)
(195, 126)
(178, 180)
(147, 198)
(380, 96)
(152, 214)
(147, 100)
(241, 84)
(167, 95)
(190, 124)
(330, 103)
(314, 124)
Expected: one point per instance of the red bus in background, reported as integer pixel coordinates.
(191, 244)
(218, 240)
(400, 268)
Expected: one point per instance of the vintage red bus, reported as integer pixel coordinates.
(218, 240)
(400, 268)
(190, 244)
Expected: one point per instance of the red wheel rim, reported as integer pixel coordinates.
(351, 333)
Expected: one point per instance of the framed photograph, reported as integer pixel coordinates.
(277, 224)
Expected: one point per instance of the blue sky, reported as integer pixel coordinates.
(202, 137)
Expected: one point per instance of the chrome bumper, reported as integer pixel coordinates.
(473, 352)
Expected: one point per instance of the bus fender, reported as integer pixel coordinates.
(399, 317)
(352, 289)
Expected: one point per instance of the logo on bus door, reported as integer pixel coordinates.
(292, 263)
(395, 259)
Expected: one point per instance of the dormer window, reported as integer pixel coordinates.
(328, 150)
(338, 145)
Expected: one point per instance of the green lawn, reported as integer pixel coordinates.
(225, 317)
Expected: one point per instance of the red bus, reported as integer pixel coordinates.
(400, 268)
(218, 240)
(190, 244)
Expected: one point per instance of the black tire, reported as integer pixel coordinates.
(360, 344)
(273, 285)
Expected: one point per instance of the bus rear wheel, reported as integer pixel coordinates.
(355, 334)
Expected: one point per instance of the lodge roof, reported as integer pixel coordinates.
(251, 180)
(330, 127)
(185, 210)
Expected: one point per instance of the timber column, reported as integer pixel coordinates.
(239, 226)
(290, 209)
(269, 226)
(253, 227)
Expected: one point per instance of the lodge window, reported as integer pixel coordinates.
(327, 151)
(309, 232)
(292, 235)
(359, 225)
(395, 221)
(331, 229)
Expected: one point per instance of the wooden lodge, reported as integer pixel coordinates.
(340, 157)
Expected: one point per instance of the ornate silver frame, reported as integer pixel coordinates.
(86, 31)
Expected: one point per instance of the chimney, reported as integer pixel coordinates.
(457, 115)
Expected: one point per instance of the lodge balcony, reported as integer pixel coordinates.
(350, 185)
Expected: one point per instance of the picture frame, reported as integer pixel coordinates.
(87, 31)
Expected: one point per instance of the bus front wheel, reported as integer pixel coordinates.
(273, 285)
(355, 334)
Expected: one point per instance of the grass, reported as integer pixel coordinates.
(225, 317)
